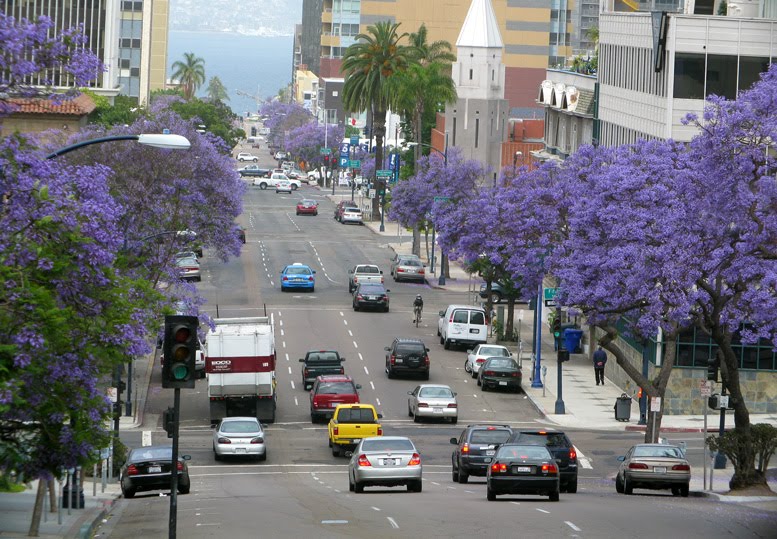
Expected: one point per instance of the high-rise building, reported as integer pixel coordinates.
(535, 33)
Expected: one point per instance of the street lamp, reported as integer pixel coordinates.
(166, 141)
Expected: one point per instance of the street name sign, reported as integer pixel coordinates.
(355, 163)
(549, 296)
(383, 173)
(325, 151)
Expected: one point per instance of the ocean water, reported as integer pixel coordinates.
(257, 66)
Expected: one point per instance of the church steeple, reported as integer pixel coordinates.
(478, 71)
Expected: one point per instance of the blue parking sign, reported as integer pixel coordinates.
(343, 161)
(345, 148)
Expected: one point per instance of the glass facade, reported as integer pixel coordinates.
(130, 38)
(699, 75)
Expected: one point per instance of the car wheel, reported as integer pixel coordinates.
(184, 489)
(496, 297)
(283, 289)
(463, 477)
(312, 288)
(553, 496)
(438, 334)
(255, 160)
(350, 484)
(572, 486)
(386, 310)
(467, 368)
(478, 381)
(297, 213)
(618, 484)
(262, 186)
(454, 420)
(409, 411)
(416, 486)
(216, 456)
(262, 458)
(335, 450)
(390, 373)
(685, 491)
(426, 376)
(454, 474)
(355, 307)
(628, 489)
(446, 344)
(293, 187)
(358, 487)
(490, 495)
(128, 492)
(416, 419)
(441, 339)
(675, 491)
(474, 374)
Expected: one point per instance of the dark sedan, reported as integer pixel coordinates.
(148, 468)
(371, 296)
(522, 469)
(500, 373)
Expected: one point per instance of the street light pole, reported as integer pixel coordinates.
(441, 280)
(162, 140)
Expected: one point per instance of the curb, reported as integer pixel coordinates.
(642, 428)
(87, 530)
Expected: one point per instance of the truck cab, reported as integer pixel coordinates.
(350, 424)
(318, 363)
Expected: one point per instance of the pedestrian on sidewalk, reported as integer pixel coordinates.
(600, 360)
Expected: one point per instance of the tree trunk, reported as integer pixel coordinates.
(509, 322)
(416, 240)
(52, 486)
(426, 242)
(379, 127)
(37, 510)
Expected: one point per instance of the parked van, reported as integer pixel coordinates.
(462, 325)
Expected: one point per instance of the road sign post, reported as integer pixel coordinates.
(549, 296)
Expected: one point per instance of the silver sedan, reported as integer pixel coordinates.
(387, 461)
(432, 400)
(239, 436)
(478, 356)
(655, 467)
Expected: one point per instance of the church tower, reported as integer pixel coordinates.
(477, 123)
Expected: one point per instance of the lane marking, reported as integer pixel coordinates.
(284, 344)
(433, 483)
(375, 508)
(345, 322)
(365, 372)
(361, 358)
(350, 334)
(572, 526)
(289, 373)
(146, 437)
(332, 521)
(208, 523)
(542, 511)
(371, 385)
(584, 461)
(393, 523)
(292, 387)
(355, 345)
(516, 503)
(280, 322)
(377, 401)
(282, 334)
(287, 358)
(295, 402)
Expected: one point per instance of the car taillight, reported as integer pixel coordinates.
(423, 405)
(421, 272)
(572, 454)
(489, 373)
(400, 270)
(393, 359)
(180, 466)
(223, 440)
(258, 440)
(380, 431)
(305, 372)
(549, 468)
(453, 405)
(310, 278)
(498, 467)
(415, 460)
(681, 468)
(381, 280)
(316, 404)
(465, 448)
(480, 361)
(426, 360)
(359, 297)
(285, 278)
(637, 466)
(516, 374)
(364, 461)
(132, 470)
(336, 431)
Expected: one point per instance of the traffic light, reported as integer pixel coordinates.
(366, 130)
(180, 348)
(326, 161)
(557, 327)
(712, 369)
(253, 131)
(168, 421)
(718, 402)
(563, 355)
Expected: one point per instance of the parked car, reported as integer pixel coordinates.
(433, 401)
(498, 293)
(280, 155)
(654, 467)
(341, 206)
(522, 469)
(475, 449)
(560, 446)
(253, 170)
(283, 186)
(387, 461)
(315, 174)
(241, 234)
(298, 275)
(371, 296)
(462, 324)
(478, 355)
(320, 362)
(239, 437)
(407, 356)
(328, 392)
(150, 467)
(188, 268)
(185, 254)
(500, 373)
(352, 215)
(295, 174)
(307, 207)
(409, 269)
(245, 156)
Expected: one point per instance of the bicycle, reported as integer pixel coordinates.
(417, 312)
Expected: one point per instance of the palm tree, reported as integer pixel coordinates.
(427, 53)
(368, 65)
(190, 73)
(216, 90)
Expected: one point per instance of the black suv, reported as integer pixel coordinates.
(407, 356)
(560, 446)
(475, 449)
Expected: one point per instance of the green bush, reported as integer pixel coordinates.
(750, 456)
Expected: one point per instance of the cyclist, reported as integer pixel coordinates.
(418, 307)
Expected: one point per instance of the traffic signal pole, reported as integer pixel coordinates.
(174, 467)
(560, 409)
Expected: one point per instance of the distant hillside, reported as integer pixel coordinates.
(249, 17)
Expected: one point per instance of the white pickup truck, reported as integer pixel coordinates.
(364, 273)
(272, 181)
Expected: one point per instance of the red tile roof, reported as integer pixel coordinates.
(81, 105)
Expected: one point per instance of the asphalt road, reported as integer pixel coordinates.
(302, 490)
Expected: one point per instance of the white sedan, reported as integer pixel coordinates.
(239, 436)
(478, 356)
(245, 156)
(432, 400)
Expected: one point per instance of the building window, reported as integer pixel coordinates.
(722, 76)
(493, 71)
(470, 74)
(750, 69)
(477, 131)
(688, 76)
(124, 63)
(454, 129)
(135, 72)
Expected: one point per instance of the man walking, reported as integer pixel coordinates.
(600, 360)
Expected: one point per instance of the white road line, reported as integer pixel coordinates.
(365, 372)
(289, 373)
(470, 491)
(280, 322)
(584, 461)
(543, 511)
(292, 387)
(283, 343)
(208, 523)
(393, 523)
(345, 322)
(572, 526)
(433, 483)
(350, 334)
(334, 522)
(341, 313)
(377, 401)
(146, 438)
(282, 334)
(375, 508)
(287, 358)
(360, 357)
(372, 385)
(295, 402)
(355, 345)
(516, 503)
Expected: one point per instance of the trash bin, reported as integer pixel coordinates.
(572, 338)
(72, 498)
(623, 408)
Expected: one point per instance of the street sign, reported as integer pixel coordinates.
(355, 163)
(371, 193)
(113, 394)
(393, 161)
(441, 199)
(366, 147)
(325, 151)
(345, 148)
(705, 388)
(383, 173)
(655, 404)
(549, 296)
(354, 140)
(343, 162)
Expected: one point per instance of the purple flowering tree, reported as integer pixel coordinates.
(282, 118)
(305, 143)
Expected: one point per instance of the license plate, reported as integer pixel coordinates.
(659, 469)
(241, 449)
(487, 460)
(390, 462)
(372, 298)
(437, 410)
(522, 469)
(357, 440)
(502, 383)
(299, 280)
(399, 360)
(491, 452)
(154, 469)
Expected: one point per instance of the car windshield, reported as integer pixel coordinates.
(297, 271)
(323, 357)
(308, 203)
(377, 444)
(655, 451)
(353, 210)
(523, 452)
(148, 453)
(187, 262)
(371, 289)
(489, 436)
(436, 392)
(550, 439)
(493, 351)
(367, 269)
(356, 415)
(411, 348)
(412, 262)
(500, 364)
(336, 388)
(236, 427)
